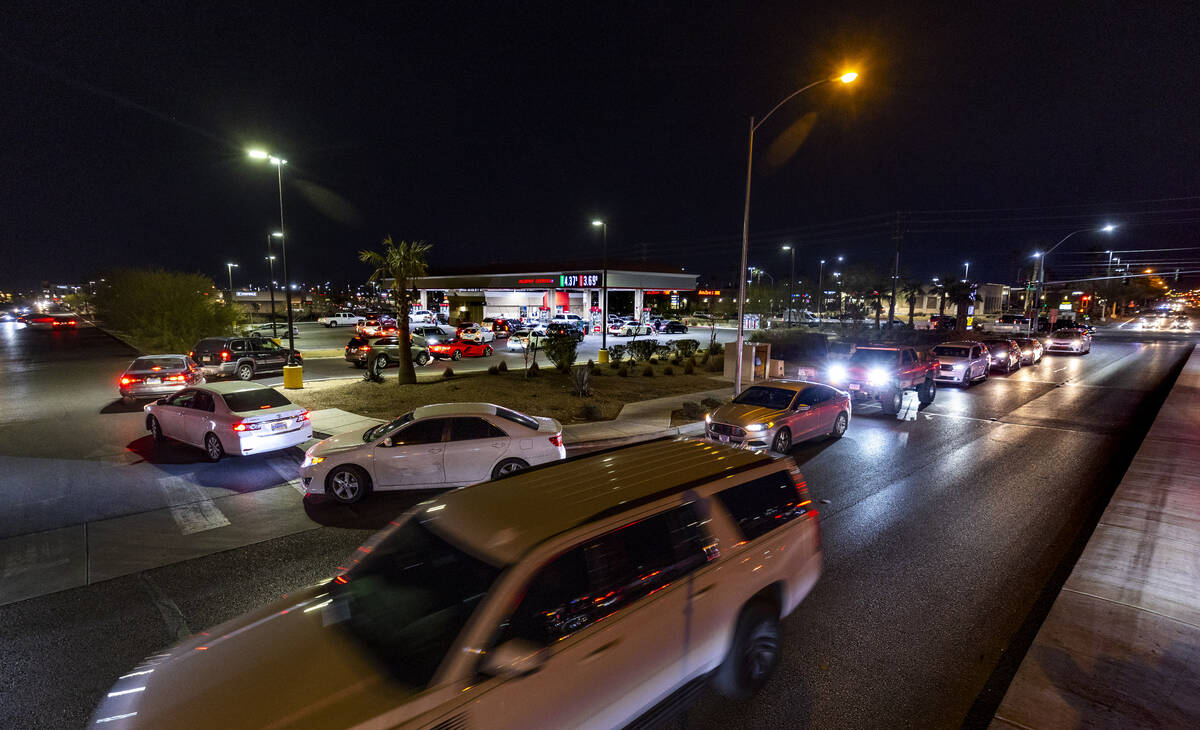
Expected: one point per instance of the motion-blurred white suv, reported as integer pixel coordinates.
(580, 594)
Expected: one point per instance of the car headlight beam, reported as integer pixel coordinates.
(838, 374)
(878, 377)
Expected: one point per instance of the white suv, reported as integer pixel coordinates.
(578, 594)
(340, 319)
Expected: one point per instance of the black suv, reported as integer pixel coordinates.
(563, 329)
(241, 357)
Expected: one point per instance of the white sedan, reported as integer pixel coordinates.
(445, 445)
(629, 328)
(522, 339)
(238, 418)
(477, 334)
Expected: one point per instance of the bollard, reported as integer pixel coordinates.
(293, 377)
(602, 358)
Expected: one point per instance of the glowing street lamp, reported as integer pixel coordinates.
(845, 78)
(603, 226)
(271, 284)
(1041, 278)
(279, 162)
(229, 269)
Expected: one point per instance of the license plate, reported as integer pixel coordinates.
(153, 381)
(723, 439)
(853, 386)
(208, 358)
(278, 426)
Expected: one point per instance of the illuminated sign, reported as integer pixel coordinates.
(535, 281)
(582, 279)
(709, 292)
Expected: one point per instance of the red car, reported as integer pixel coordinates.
(456, 349)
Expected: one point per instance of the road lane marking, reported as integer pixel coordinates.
(191, 510)
(177, 626)
(286, 469)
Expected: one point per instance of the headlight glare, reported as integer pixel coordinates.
(877, 377)
(311, 460)
(838, 374)
(756, 427)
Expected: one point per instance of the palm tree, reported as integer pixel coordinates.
(911, 289)
(959, 292)
(401, 263)
(944, 281)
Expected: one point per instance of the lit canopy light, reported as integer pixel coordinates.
(264, 155)
(1109, 228)
(848, 77)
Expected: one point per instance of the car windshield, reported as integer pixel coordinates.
(875, 357)
(408, 602)
(1064, 335)
(520, 333)
(157, 363)
(255, 400)
(951, 351)
(385, 429)
(759, 395)
(994, 344)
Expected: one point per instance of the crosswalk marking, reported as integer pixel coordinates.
(191, 510)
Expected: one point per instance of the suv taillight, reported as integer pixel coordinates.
(225, 355)
(556, 439)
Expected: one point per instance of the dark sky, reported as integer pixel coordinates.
(498, 130)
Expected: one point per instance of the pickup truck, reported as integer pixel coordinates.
(884, 372)
(340, 319)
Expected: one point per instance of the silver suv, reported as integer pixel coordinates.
(581, 593)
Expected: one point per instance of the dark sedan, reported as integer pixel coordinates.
(153, 376)
(1031, 350)
(673, 327)
(1003, 355)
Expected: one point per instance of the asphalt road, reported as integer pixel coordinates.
(945, 538)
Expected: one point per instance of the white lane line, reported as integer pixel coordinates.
(286, 469)
(998, 422)
(191, 510)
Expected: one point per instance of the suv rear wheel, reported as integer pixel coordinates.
(926, 392)
(754, 654)
(892, 401)
(245, 371)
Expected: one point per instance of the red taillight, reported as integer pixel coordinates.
(243, 426)
(175, 378)
(365, 348)
(304, 416)
(126, 381)
(556, 439)
(225, 354)
(191, 353)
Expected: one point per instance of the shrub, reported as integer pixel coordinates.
(561, 351)
(711, 402)
(448, 373)
(653, 360)
(716, 348)
(668, 370)
(162, 311)
(581, 380)
(494, 370)
(591, 365)
(715, 364)
(643, 350)
(616, 353)
(686, 348)
(502, 367)
(692, 410)
(663, 351)
(689, 368)
(648, 371)
(591, 412)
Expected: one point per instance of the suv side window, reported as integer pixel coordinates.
(974, 352)
(906, 358)
(607, 573)
(763, 504)
(237, 345)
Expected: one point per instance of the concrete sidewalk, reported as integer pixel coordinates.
(1121, 644)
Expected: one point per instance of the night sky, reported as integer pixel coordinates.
(497, 131)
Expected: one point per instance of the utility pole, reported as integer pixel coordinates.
(899, 236)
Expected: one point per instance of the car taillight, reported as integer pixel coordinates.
(243, 426)
(365, 348)
(175, 378)
(126, 381)
(191, 353)
(225, 355)
(305, 416)
(556, 439)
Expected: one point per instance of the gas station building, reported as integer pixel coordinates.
(514, 292)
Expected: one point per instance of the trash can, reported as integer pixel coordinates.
(293, 377)
(602, 358)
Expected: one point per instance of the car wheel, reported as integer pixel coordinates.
(507, 467)
(926, 392)
(783, 441)
(487, 351)
(753, 655)
(457, 355)
(383, 362)
(332, 324)
(213, 447)
(347, 484)
(423, 358)
(891, 401)
(245, 371)
(155, 430)
(839, 425)
(967, 380)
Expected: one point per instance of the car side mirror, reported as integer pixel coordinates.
(387, 442)
(514, 658)
(803, 407)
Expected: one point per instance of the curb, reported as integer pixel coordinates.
(691, 429)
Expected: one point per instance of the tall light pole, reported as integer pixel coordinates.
(741, 324)
(1041, 278)
(791, 281)
(603, 225)
(966, 268)
(229, 269)
(279, 162)
(271, 283)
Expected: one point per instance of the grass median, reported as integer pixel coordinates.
(547, 394)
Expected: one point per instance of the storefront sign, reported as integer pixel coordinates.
(535, 281)
(709, 292)
(580, 279)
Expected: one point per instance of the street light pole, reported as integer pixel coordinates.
(966, 268)
(820, 293)
(271, 283)
(741, 323)
(603, 283)
(791, 282)
(279, 162)
(229, 269)
(1041, 277)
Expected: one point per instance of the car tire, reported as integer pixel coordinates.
(245, 371)
(383, 361)
(347, 484)
(782, 441)
(332, 324)
(967, 380)
(926, 392)
(753, 654)
(839, 425)
(155, 430)
(213, 448)
(488, 351)
(457, 355)
(892, 401)
(423, 358)
(508, 467)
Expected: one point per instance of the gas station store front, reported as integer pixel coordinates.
(542, 294)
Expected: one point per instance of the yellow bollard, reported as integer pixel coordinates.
(293, 377)
(602, 359)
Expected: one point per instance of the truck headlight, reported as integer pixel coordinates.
(878, 377)
(838, 374)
